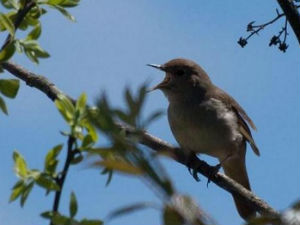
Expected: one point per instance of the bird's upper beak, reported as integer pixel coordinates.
(156, 66)
(162, 84)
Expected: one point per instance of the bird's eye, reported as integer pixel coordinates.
(179, 73)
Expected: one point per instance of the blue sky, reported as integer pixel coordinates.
(107, 49)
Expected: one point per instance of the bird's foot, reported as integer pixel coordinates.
(214, 170)
(192, 171)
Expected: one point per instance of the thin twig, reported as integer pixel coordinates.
(258, 28)
(61, 179)
(153, 143)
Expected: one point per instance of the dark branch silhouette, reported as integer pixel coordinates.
(291, 14)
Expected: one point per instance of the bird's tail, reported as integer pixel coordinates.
(235, 168)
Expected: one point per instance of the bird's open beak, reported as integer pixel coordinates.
(162, 84)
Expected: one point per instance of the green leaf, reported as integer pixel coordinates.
(30, 54)
(77, 159)
(87, 142)
(10, 4)
(65, 107)
(50, 160)
(33, 50)
(55, 2)
(80, 103)
(20, 165)
(129, 209)
(172, 217)
(64, 12)
(7, 52)
(9, 87)
(35, 33)
(121, 166)
(47, 183)
(91, 131)
(26, 192)
(7, 23)
(91, 222)
(151, 118)
(17, 190)
(3, 106)
(73, 205)
(59, 219)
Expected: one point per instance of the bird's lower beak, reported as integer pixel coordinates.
(164, 84)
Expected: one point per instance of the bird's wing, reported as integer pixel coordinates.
(242, 118)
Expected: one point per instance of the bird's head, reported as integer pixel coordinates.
(184, 79)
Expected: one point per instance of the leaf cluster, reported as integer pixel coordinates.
(25, 15)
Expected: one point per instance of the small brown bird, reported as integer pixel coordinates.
(205, 119)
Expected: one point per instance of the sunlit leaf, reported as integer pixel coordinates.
(47, 183)
(65, 107)
(91, 131)
(10, 4)
(64, 12)
(7, 23)
(51, 159)
(20, 165)
(9, 87)
(35, 33)
(17, 190)
(81, 102)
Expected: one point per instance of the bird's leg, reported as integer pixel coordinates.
(215, 169)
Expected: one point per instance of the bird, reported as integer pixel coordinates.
(205, 119)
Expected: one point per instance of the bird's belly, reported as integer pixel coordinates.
(204, 130)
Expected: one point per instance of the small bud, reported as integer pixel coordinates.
(242, 42)
(250, 26)
(274, 40)
(283, 47)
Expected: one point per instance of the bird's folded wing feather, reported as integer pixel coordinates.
(242, 118)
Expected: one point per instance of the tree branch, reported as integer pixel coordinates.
(291, 12)
(156, 144)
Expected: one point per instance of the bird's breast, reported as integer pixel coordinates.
(208, 127)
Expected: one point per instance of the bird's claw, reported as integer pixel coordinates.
(193, 172)
(214, 170)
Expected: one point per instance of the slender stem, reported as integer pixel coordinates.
(61, 180)
(262, 26)
(285, 30)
